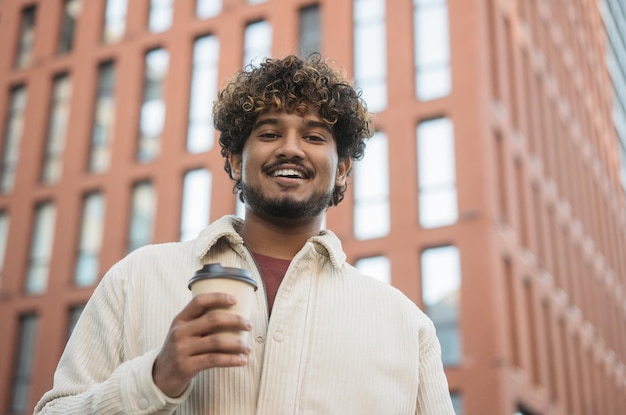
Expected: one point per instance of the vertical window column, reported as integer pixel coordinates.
(70, 13)
(24, 363)
(103, 120)
(4, 233)
(57, 129)
(370, 52)
(90, 242)
(41, 248)
(371, 190)
(196, 203)
(12, 138)
(378, 267)
(309, 37)
(204, 85)
(152, 115)
(257, 42)
(143, 212)
(114, 20)
(161, 14)
(24, 55)
(441, 290)
(208, 8)
(436, 173)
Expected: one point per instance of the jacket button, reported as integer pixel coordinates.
(143, 403)
(259, 339)
(279, 336)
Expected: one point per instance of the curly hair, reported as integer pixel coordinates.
(293, 85)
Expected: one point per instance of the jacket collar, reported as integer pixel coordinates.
(227, 227)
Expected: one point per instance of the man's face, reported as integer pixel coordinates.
(289, 165)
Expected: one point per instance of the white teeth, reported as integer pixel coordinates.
(287, 173)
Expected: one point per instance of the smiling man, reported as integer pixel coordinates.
(324, 338)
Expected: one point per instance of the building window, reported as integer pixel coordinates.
(371, 190)
(41, 248)
(208, 8)
(103, 120)
(257, 42)
(204, 84)
(370, 52)
(436, 173)
(441, 289)
(114, 20)
(4, 233)
(161, 14)
(71, 11)
(152, 115)
(309, 29)
(432, 49)
(378, 267)
(457, 403)
(142, 215)
(57, 129)
(12, 138)
(26, 40)
(196, 203)
(90, 241)
(24, 363)
(74, 315)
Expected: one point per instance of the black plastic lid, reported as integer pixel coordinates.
(218, 271)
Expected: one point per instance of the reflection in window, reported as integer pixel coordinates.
(114, 20)
(257, 42)
(41, 248)
(161, 13)
(457, 403)
(436, 173)
(142, 215)
(309, 30)
(208, 8)
(57, 129)
(90, 242)
(23, 375)
(204, 84)
(26, 40)
(4, 233)
(432, 49)
(152, 115)
(441, 284)
(103, 120)
(371, 190)
(71, 10)
(196, 203)
(12, 138)
(370, 52)
(74, 315)
(378, 267)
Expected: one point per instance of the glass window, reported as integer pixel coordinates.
(204, 84)
(457, 403)
(196, 203)
(41, 248)
(114, 20)
(257, 42)
(26, 40)
(103, 120)
(208, 8)
(432, 49)
(309, 29)
(74, 315)
(4, 233)
(152, 117)
(12, 138)
(441, 289)
(142, 215)
(90, 241)
(240, 208)
(161, 14)
(57, 129)
(70, 13)
(370, 52)
(378, 267)
(371, 190)
(436, 173)
(22, 377)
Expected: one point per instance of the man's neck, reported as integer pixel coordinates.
(278, 237)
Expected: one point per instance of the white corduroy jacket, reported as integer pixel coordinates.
(338, 342)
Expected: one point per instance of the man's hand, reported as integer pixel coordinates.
(199, 339)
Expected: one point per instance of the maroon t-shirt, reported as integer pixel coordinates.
(272, 271)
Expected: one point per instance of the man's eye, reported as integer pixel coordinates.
(268, 135)
(315, 138)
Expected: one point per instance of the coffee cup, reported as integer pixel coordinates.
(214, 278)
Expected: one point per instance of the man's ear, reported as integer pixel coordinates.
(235, 166)
(343, 170)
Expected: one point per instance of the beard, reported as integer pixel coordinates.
(285, 206)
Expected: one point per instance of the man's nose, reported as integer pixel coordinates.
(290, 146)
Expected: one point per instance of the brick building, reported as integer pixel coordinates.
(492, 193)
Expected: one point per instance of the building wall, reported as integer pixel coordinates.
(540, 226)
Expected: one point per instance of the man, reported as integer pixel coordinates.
(324, 339)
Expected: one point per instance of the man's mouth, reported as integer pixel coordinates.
(289, 173)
